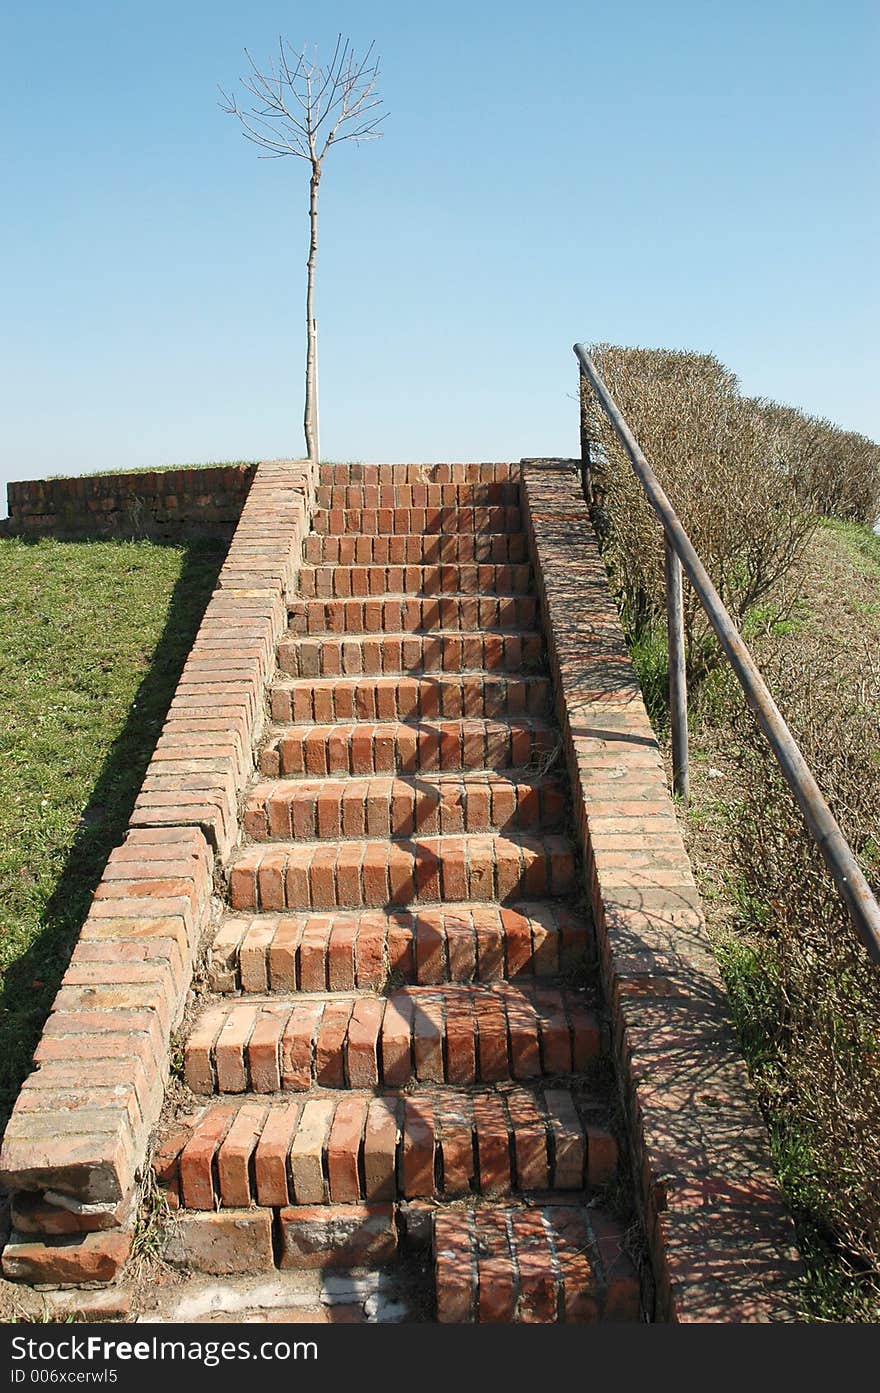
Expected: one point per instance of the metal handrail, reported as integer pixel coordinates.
(845, 870)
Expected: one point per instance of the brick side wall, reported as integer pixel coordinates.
(165, 504)
(721, 1244)
(79, 1133)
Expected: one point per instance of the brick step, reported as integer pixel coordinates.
(343, 581)
(425, 870)
(453, 473)
(400, 494)
(338, 1149)
(553, 1263)
(421, 522)
(407, 806)
(467, 548)
(409, 747)
(402, 614)
(442, 651)
(448, 694)
(340, 952)
(453, 1034)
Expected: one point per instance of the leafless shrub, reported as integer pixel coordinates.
(717, 456)
(826, 1019)
(834, 472)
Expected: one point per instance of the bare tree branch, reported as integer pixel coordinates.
(292, 104)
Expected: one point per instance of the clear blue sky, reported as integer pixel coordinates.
(698, 175)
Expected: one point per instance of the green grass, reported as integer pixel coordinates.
(861, 544)
(162, 468)
(93, 636)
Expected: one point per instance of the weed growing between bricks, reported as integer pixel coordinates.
(93, 636)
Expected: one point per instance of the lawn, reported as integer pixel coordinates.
(93, 636)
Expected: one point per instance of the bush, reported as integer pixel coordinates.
(717, 456)
(834, 472)
(823, 1074)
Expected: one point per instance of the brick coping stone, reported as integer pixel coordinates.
(78, 1136)
(721, 1243)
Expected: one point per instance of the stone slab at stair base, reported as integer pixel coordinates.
(81, 1126)
(721, 1244)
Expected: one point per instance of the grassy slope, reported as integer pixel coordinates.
(838, 604)
(92, 638)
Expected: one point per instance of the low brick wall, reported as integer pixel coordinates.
(721, 1244)
(166, 504)
(79, 1133)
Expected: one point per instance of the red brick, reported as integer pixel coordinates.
(89, 1257)
(363, 1037)
(491, 1037)
(270, 1157)
(380, 1149)
(197, 1157)
(313, 953)
(537, 1295)
(529, 1141)
(490, 946)
(454, 1117)
(455, 1273)
(343, 1150)
(493, 1147)
(396, 1040)
(329, 1047)
(230, 1050)
(428, 1036)
(417, 1165)
(497, 1275)
(264, 1051)
(233, 1241)
(341, 955)
(282, 955)
(235, 1153)
(345, 1236)
(297, 1045)
(369, 949)
(460, 1039)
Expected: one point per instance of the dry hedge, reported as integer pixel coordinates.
(748, 478)
(824, 1079)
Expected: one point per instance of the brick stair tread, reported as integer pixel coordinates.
(449, 1033)
(371, 874)
(343, 582)
(413, 494)
(464, 548)
(327, 700)
(414, 472)
(411, 654)
(415, 745)
(404, 805)
(485, 519)
(363, 1147)
(453, 942)
(498, 1263)
(401, 613)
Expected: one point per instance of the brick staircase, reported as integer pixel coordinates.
(397, 1050)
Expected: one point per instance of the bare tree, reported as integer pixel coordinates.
(302, 108)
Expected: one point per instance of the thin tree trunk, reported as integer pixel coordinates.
(310, 417)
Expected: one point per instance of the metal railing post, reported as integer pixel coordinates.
(586, 483)
(678, 710)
